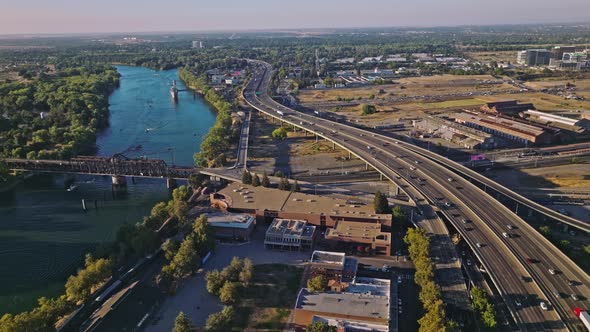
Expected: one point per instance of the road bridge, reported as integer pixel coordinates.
(511, 262)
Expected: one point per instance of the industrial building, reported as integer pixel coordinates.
(366, 300)
(505, 128)
(289, 234)
(466, 137)
(576, 125)
(506, 107)
(232, 226)
(533, 57)
(368, 236)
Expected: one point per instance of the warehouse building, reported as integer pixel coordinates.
(577, 125)
(466, 137)
(506, 107)
(505, 128)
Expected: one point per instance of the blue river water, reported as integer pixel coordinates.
(44, 233)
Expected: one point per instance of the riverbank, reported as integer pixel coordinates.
(217, 141)
(45, 233)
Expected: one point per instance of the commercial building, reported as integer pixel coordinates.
(505, 128)
(334, 266)
(367, 236)
(577, 125)
(346, 325)
(506, 107)
(533, 57)
(466, 137)
(197, 44)
(232, 226)
(366, 300)
(267, 204)
(290, 234)
(558, 51)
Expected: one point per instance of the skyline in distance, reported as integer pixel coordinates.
(109, 16)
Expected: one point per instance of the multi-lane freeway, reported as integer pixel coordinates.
(524, 266)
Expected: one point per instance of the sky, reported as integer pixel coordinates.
(88, 16)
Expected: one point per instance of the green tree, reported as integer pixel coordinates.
(185, 259)
(204, 235)
(247, 273)
(265, 181)
(80, 286)
(183, 323)
(279, 133)
(214, 281)
(221, 321)
(170, 247)
(232, 271)
(367, 109)
(398, 214)
(489, 316)
(380, 203)
(565, 245)
(320, 327)
(256, 181)
(317, 284)
(545, 230)
(228, 294)
(246, 177)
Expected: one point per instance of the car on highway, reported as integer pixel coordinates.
(557, 294)
(544, 306)
(506, 235)
(552, 271)
(574, 297)
(416, 161)
(369, 147)
(509, 226)
(478, 245)
(450, 179)
(465, 221)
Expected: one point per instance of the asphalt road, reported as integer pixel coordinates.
(505, 259)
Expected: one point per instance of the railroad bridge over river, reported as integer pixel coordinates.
(119, 167)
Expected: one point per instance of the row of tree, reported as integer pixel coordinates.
(185, 257)
(481, 303)
(227, 284)
(219, 137)
(434, 318)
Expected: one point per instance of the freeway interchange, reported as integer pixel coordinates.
(525, 267)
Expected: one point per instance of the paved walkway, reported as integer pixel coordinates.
(194, 300)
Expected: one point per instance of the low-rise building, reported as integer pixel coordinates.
(232, 226)
(577, 125)
(289, 234)
(366, 300)
(347, 325)
(506, 107)
(464, 136)
(505, 128)
(334, 266)
(369, 236)
(267, 204)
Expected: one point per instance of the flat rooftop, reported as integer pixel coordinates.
(328, 257)
(290, 227)
(346, 303)
(373, 286)
(357, 230)
(351, 325)
(229, 220)
(240, 196)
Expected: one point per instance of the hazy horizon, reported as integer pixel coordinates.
(134, 16)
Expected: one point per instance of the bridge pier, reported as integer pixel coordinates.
(119, 181)
(171, 183)
(333, 146)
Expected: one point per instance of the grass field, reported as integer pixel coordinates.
(498, 56)
(267, 303)
(452, 103)
(411, 86)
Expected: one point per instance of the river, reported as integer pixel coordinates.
(44, 233)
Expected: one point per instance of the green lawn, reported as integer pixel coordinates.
(451, 103)
(267, 302)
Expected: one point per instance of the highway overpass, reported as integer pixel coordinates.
(478, 217)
